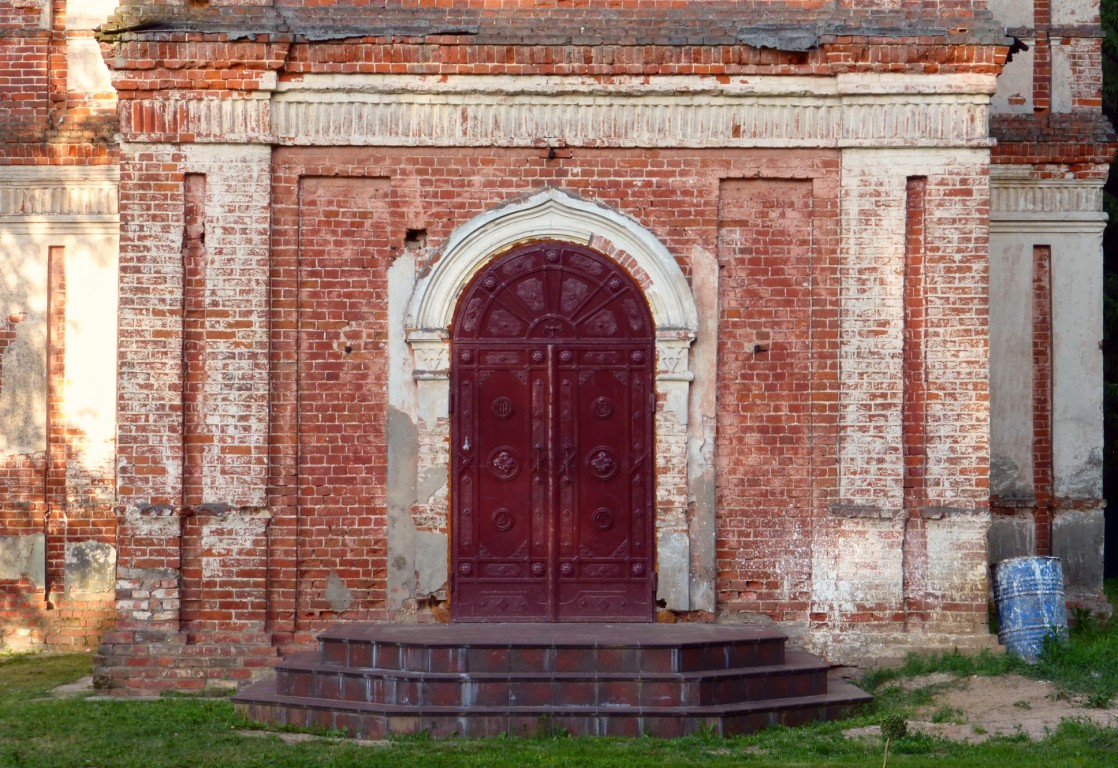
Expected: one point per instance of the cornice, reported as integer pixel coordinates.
(853, 111)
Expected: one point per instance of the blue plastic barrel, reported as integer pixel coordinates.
(1029, 594)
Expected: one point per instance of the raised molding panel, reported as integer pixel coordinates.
(1013, 191)
(508, 111)
(29, 194)
(1020, 203)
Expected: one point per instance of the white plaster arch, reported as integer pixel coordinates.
(549, 215)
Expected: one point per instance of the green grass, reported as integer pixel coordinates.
(1086, 665)
(174, 732)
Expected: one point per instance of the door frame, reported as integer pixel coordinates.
(427, 288)
(568, 565)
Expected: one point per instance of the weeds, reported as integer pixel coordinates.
(1085, 664)
(892, 727)
(947, 714)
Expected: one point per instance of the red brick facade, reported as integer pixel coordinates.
(806, 207)
(55, 506)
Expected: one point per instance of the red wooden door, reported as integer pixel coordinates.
(552, 513)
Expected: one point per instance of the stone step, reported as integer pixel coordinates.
(622, 648)
(306, 676)
(374, 680)
(261, 702)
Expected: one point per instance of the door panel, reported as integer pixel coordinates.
(499, 528)
(604, 563)
(552, 435)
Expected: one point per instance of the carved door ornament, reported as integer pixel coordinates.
(552, 390)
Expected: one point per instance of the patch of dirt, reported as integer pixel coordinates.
(974, 709)
(80, 687)
(300, 738)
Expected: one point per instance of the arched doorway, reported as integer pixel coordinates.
(552, 441)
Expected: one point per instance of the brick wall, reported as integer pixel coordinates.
(776, 384)
(56, 520)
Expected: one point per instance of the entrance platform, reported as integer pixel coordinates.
(475, 680)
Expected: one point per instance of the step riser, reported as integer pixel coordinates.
(375, 680)
(483, 660)
(375, 726)
(372, 688)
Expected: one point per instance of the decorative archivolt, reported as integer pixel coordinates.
(551, 215)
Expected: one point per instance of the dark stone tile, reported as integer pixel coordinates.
(300, 683)
(396, 725)
(491, 693)
(447, 660)
(333, 652)
(529, 660)
(574, 693)
(442, 693)
(624, 726)
(441, 727)
(354, 689)
(575, 660)
(657, 660)
(663, 727)
(735, 724)
(322, 718)
(704, 724)
(661, 693)
(373, 727)
(692, 659)
(492, 725)
(728, 690)
(530, 693)
(328, 685)
(351, 723)
(619, 660)
(572, 725)
(619, 693)
(298, 717)
(386, 656)
(360, 655)
(415, 659)
(523, 725)
(407, 692)
(487, 660)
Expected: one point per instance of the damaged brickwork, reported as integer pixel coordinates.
(837, 258)
(58, 228)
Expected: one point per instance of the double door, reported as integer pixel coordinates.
(552, 494)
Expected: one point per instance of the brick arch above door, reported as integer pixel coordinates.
(554, 215)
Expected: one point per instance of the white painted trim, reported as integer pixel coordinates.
(555, 215)
(862, 84)
(549, 215)
(1084, 223)
(61, 225)
(39, 193)
(524, 111)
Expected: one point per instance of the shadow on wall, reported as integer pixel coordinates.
(57, 524)
(57, 551)
(1110, 373)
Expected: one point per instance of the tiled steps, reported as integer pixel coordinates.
(481, 680)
